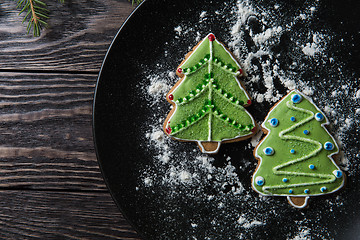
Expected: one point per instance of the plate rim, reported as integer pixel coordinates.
(94, 127)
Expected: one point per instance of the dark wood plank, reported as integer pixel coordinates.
(60, 215)
(79, 35)
(46, 133)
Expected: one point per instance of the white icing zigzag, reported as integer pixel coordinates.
(283, 135)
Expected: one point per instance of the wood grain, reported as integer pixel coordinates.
(46, 133)
(79, 34)
(50, 182)
(61, 215)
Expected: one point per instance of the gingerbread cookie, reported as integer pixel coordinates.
(209, 100)
(295, 157)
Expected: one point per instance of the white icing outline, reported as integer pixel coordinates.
(188, 58)
(237, 81)
(329, 156)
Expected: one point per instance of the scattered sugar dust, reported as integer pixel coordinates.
(303, 234)
(245, 223)
(255, 36)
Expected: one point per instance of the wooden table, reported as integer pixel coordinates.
(51, 185)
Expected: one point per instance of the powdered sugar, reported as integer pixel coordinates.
(311, 49)
(357, 94)
(304, 234)
(245, 223)
(263, 37)
(185, 176)
(256, 139)
(158, 85)
(178, 30)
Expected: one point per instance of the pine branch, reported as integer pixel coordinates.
(36, 14)
(136, 1)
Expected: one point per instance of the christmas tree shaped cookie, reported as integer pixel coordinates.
(295, 158)
(209, 101)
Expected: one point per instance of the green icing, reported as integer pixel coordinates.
(190, 83)
(193, 124)
(202, 50)
(309, 150)
(209, 100)
(192, 131)
(227, 84)
(223, 54)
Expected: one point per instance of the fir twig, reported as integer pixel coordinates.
(136, 2)
(36, 14)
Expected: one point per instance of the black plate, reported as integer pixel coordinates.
(187, 197)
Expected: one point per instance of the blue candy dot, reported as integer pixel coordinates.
(323, 189)
(269, 151)
(293, 119)
(338, 173)
(292, 151)
(274, 122)
(259, 181)
(306, 191)
(319, 117)
(291, 191)
(329, 146)
(296, 98)
(311, 166)
(285, 180)
(306, 132)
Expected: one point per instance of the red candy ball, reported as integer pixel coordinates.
(240, 71)
(171, 97)
(168, 130)
(179, 70)
(211, 37)
(249, 102)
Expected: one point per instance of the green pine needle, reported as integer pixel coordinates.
(36, 14)
(136, 1)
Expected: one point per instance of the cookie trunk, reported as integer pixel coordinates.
(298, 202)
(209, 147)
